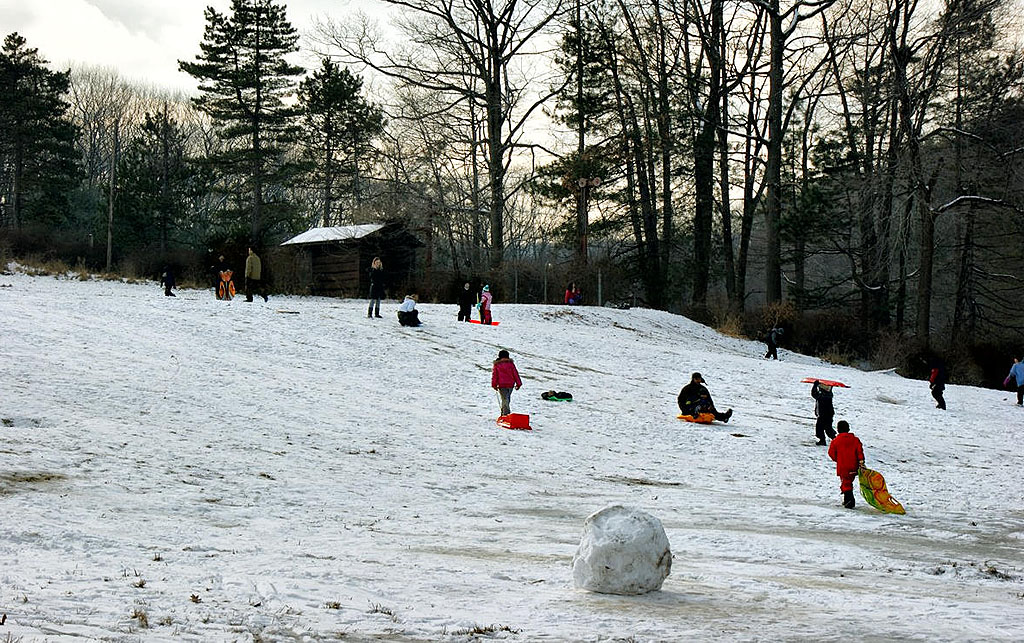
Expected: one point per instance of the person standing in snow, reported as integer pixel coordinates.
(254, 277)
(937, 382)
(485, 305)
(505, 377)
(848, 454)
(167, 279)
(467, 299)
(376, 271)
(772, 341)
(1016, 379)
(695, 399)
(823, 410)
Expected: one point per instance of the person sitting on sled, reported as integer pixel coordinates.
(848, 454)
(823, 410)
(695, 399)
(407, 313)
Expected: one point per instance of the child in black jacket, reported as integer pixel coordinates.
(823, 410)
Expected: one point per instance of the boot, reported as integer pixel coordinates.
(726, 416)
(848, 500)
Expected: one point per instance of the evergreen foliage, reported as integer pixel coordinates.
(38, 165)
(245, 81)
(338, 125)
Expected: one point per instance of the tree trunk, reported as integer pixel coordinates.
(495, 162)
(723, 159)
(773, 169)
(110, 199)
(582, 216)
(165, 193)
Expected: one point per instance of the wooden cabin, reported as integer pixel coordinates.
(334, 261)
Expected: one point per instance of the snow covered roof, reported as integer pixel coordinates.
(334, 233)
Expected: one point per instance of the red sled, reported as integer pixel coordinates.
(812, 380)
(477, 321)
(515, 421)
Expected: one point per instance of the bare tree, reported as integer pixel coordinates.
(472, 52)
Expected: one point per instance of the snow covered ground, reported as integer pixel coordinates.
(189, 469)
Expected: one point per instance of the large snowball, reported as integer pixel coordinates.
(623, 551)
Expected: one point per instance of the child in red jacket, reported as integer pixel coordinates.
(504, 377)
(848, 454)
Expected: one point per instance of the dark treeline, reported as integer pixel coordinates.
(849, 169)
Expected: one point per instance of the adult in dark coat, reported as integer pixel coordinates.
(937, 383)
(772, 341)
(376, 271)
(823, 410)
(467, 301)
(695, 399)
(167, 279)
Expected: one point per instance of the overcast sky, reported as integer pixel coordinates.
(142, 39)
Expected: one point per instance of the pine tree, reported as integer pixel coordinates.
(37, 159)
(245, 80)
(338, 125)
(154, 178)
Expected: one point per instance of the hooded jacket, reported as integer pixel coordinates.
(504, 374)
(847, 452)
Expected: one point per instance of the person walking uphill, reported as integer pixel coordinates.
(376, 271)
(254, 277)
(937, 383)
(1016, 379)
(823, 410)
(505, 377)
(848, 454)
(772, 341)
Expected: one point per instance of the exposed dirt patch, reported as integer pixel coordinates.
(642, 482)
(14, 481)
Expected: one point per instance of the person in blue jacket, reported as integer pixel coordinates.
(1016, 379)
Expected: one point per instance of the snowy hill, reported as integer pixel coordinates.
(189, 469)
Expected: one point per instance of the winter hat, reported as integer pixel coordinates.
(697, 378)
(502, 354)
(842, 426)
(487, 289)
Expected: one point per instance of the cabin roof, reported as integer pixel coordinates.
(334, 233)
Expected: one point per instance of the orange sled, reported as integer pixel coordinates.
(226, 287)
(515, 421)
(702, 418)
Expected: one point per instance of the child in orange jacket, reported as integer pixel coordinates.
(848, 454)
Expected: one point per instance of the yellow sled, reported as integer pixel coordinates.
(872, 487)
